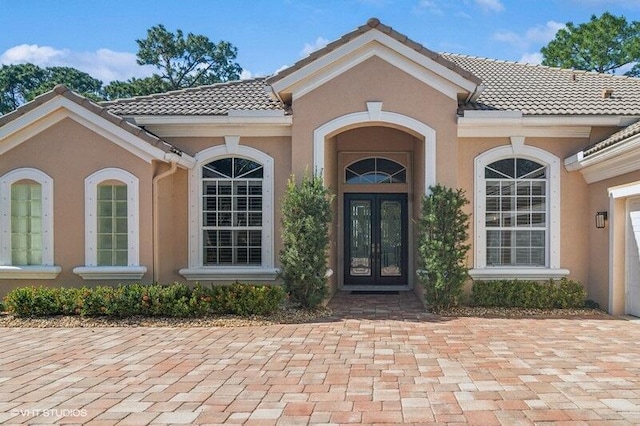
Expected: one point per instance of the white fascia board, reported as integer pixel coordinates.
(369, 38)
(399, 61)
(507, 123)
(196, 120)
(183, 160)
(256, 113)
(59, 108)
(212, 130)
(616, 160)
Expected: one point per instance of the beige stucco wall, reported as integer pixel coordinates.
(374, 80)
(576, 221)
(69, 152)
(173, 203)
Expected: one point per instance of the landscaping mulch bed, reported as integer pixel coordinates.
(283, 316)
(477, 311)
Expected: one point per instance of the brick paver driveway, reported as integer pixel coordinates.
(380, 360)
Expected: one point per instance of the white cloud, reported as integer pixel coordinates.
(532, 58)
(103, 64)
(543, 33)
(490, 5)
(246, 75)
(539, 35)
(432, 6)
(317, 45)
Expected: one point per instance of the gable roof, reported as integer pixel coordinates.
(63, 91)
(60, 103)
(216, 99)
(371, 24)
(542, 90)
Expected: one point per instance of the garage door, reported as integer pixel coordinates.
(633, 257)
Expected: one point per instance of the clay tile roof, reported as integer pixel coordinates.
(614, 139)
(216, 99)
(62, 90)
(542, 90)
(371, 24)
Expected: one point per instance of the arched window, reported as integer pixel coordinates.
(112, 246)
(26, 225)
(232, 212)
(517, 214)
(375, 170)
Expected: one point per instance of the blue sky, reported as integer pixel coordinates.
(98, 37)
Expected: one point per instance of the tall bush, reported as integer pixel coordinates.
(442, 246)
(306, 215)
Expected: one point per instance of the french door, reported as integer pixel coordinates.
(375, 239)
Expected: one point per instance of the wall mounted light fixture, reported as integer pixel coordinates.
(601, 220)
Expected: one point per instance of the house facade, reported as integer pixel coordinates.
(186, 185)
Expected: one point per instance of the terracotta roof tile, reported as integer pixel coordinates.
(614, 139)
(374, 23)
(62, 90)
(542, 90)
(217, 99)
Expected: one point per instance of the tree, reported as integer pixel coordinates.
(74, 79)
(306, 216)
(136, 87)
(181, 62)
(604, 44)
(21, 83)
(16, 84)
(443, 246)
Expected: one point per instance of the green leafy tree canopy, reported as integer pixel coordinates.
(604, 44)
(181, 62)
(21, 83)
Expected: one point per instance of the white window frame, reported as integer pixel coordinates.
(196, 269)
(91, 270)
(552, 253)
(47, 270)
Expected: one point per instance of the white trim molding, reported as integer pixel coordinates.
(475, 124)
(196, 269)
(374, 115)
(517, 149)
(616, 160)
(110, 272)
(91, 270)
(370, 44)
(618, 197)
(47, 270)
(57, 109)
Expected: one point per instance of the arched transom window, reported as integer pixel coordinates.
(516, 215)
(232, 194)
(375, 170)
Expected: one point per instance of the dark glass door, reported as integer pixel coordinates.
(375, 238)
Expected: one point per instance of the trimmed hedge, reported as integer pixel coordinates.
(174, 300)
(529, 294)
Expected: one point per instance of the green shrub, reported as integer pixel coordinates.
(528, 294)
(243, 299)
(306, 215)
(174, 300)
(442, 246)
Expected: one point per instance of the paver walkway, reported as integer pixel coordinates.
(380, 360)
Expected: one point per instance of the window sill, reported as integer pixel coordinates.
(110, 272)
(34, 272)
(229, 274)
(535, 274)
